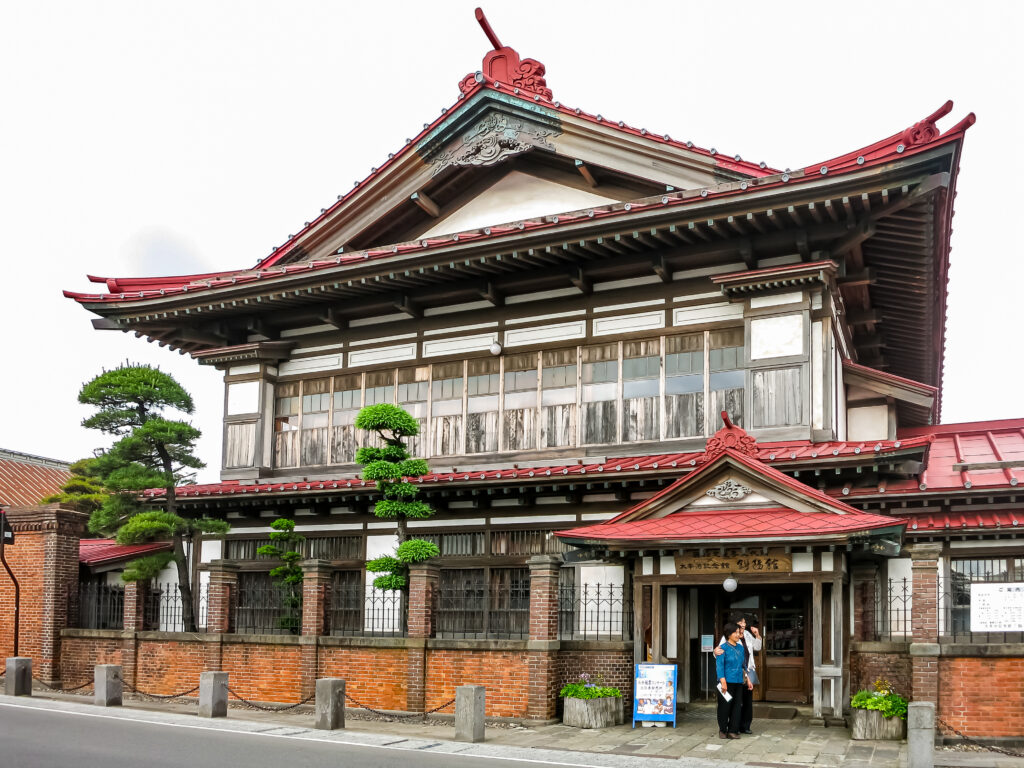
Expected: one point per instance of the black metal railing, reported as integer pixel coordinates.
(479, 611)
(363, 611)
(100, 606)
(887, 615)
(266, 608)
(162, 607)
(595, 612)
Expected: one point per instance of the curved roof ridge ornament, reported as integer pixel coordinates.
(925, 130)
(503, 65)
(729, 437)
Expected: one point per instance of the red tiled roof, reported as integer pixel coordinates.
(958, 457)
(776, 453)
(924, 522)
(736, 525)
(906, 143)
(104, 551)
(25, 479)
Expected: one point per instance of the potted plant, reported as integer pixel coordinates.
(589, 704)
(880, 713)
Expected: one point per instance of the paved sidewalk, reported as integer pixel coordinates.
(776, 743)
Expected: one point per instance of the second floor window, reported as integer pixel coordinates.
(635, 391)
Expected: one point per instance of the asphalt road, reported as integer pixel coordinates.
(38, 738)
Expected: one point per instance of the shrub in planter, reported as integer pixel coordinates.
(591, 705)
(879, 714)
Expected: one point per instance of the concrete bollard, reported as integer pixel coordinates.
(469, 713)
(920, 734)
(18, 676)
(108, 685)
(330, 704)
(213, 694)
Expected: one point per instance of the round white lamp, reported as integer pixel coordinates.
(730, 584)
(495, 348)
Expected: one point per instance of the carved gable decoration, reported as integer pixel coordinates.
(493, 138)
(729, 490)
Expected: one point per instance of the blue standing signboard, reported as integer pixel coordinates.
(654, 693)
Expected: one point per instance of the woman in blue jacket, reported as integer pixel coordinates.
(732, 676)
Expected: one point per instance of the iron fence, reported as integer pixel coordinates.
(595, 612)
(480, 611)
(888, 615)
(365, 611)
(266, 608)
(100, 606)
(162, 607)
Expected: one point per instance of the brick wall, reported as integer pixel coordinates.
(44, 559)
(614, 664)
(982, 697)
(504, 673)
(895, 666)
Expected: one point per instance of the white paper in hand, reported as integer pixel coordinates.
(725, 694)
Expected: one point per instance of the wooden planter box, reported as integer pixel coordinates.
(869, 724)
(593, 713)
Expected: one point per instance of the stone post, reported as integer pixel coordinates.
(422, 595)
(469, 713)
(920, 734)
(924, 648)
(330, 704)
(18, 676)
(542, 647)
(223, 596)
(108, 686)
(213, 694)
(316, 601)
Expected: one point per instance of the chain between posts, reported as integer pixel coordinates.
(391, 714)
(264, 708)
(61, 689)
(162, 697)
(974, 742)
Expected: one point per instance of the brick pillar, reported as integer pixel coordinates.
(423, 581)
(44, 559)
(222, 598)
(924, 648)
(865, 601)
(316, 601)
(542, 647)
(135, 595)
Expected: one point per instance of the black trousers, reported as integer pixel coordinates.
(747, 714)
(730, 712)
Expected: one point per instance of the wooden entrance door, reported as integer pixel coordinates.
(781, 615)
(786, 649)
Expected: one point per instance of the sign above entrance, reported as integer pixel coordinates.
(773, 562)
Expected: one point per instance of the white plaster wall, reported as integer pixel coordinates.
(780, 336)
(243, 397)
(515, 197)
(867, 423)
(900, 619)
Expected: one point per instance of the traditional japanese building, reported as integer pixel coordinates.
(654, 370)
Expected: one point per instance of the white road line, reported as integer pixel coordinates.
(294, 737)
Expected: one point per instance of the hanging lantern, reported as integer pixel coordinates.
(730, 584)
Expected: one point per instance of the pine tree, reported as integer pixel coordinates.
(151, 452)
(390, 467)
(83, 491)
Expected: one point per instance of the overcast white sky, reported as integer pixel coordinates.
(143, 138)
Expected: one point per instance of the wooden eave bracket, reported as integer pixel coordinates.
(426, 204)
(585, 172)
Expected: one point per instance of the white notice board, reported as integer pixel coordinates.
(997, 607)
